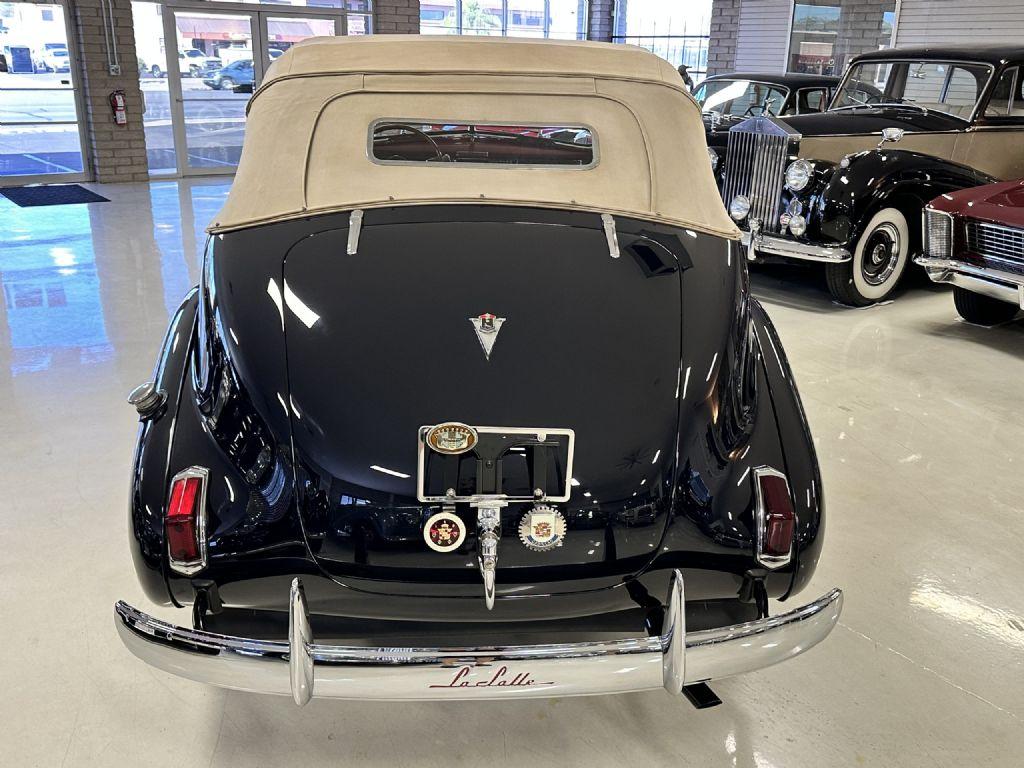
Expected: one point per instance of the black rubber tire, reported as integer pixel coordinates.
(982, 310)
(839, 278)
(850, 289)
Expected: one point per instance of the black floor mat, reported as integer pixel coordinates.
(57, 194)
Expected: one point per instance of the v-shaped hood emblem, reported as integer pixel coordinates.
(487, 327)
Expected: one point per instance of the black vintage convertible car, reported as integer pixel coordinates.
(847, 187)
(470, 402)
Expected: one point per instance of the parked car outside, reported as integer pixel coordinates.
(847, 187)
(234, 74)
(512, 380)
(974, 239)
(56, 59)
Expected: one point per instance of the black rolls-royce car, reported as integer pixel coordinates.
(470, 402)
(726, 100)
(730, 98)
(846, 187)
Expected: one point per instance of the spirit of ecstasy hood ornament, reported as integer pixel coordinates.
(487, 327)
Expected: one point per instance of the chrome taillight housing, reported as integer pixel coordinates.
(774, 518)
(185, 521)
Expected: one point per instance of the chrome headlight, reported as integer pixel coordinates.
(798, 175)
(739, 207)
(714, 159)
(795, 207)
(798, 225)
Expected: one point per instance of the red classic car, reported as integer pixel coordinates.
(974, 239)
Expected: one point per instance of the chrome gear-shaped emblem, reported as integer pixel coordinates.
(542, 529)
(487, 327)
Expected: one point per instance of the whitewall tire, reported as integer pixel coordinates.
(879, 260)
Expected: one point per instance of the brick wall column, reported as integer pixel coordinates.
(118, 152)
(602, 13)
(725, 19)
(396, 17)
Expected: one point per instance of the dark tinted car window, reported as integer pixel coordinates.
(1007, 100)
(421, 141)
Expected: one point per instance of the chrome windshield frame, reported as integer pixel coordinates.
(982, 93)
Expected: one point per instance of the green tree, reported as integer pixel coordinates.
(477, 20)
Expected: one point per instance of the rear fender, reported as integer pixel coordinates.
(801, 463)
(149, 465)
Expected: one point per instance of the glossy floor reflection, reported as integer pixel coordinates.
(918, 419)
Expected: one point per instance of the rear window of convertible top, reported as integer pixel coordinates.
(436, 142)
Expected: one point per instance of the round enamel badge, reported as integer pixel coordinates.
(444, 532)
(451, 437)
(542, 528)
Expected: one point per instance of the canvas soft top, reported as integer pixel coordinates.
(307, 135)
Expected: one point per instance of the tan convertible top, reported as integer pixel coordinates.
(306, 142)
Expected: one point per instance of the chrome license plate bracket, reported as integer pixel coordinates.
(494, 445)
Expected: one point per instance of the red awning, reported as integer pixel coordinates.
(220, 28)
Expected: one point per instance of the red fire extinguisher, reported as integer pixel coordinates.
(117, 107)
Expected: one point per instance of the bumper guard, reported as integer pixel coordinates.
(997, 284)
(300, 666)
(757, 242)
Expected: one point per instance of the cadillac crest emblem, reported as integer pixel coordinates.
(444, 532)
(487, 327)
(542, 528)
(451, 437)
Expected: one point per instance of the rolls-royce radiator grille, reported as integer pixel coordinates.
(755, 166)
(1004, 246)
(938, 234)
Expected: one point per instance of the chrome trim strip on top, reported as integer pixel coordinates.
(670, 660)
(778, 246)
(540, 433)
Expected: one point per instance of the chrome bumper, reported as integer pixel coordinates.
(758, 243)
(300, 666)
(994, 283)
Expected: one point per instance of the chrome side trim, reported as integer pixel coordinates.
(778, 246)
(355, 227)
(611, 234)
(671, 660)
(1004, 286)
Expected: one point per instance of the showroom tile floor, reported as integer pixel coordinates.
(918, 419)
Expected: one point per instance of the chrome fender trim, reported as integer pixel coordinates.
(303, 668)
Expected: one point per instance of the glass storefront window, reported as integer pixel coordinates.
(563, 19)
(481, 17)
(38, 107)
(678, 32)
(826, 35)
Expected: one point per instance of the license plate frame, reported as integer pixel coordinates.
(520, 436)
